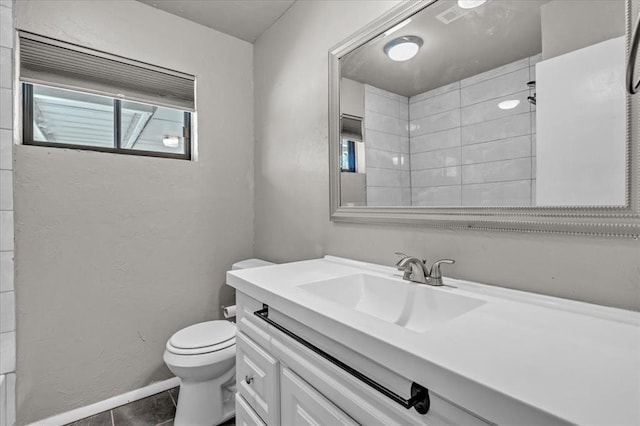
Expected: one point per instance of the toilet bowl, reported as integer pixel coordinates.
(203, 357)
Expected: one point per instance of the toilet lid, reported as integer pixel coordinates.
(204, 335)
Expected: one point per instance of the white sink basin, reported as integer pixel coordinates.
(416, 307)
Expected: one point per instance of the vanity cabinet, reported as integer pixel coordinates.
(282, 382)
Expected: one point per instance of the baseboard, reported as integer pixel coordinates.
(107, 404)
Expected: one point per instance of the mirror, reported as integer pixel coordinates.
(497, 103)
(494, 115)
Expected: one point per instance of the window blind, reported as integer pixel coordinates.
(68, 66)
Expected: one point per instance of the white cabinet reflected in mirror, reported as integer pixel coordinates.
(509, 103)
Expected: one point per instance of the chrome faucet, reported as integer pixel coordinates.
(416, 270)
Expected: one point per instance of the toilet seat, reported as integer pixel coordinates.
(203, 338)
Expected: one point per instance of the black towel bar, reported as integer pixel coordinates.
(419, 394)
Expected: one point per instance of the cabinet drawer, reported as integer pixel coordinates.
(245, 416)
(302, 405)
(257, 379)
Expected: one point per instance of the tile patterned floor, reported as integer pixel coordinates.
(155, 410)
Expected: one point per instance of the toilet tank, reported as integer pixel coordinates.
(250, 263)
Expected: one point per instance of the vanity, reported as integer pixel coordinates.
(338, 341)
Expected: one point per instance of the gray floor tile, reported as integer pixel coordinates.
(174, 393)
(102, 419)
(149, 411)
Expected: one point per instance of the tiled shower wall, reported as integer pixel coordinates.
(7, 293)
(467, 151)
(386, 117)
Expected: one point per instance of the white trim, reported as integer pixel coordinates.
(108, 404)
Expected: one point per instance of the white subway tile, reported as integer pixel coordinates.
(386, 159)
(6, 190)
(374, 90)
(383, 196)
(439, 196)
(501, 194)
(497, 171)
(6, 230)
(534, 174)
(436, 159)
(6, 67)
(502, 128)
(6, 27)
(383, 123)
(6, 271)
(406, 197)
(7, 352)
(435, 92)
(534, 202)
(489, 110)
(379, 140)
(435, 123)
(435, 105)
(432, 141)
(403, 107)
(495, 72)
(404, 145)
(436, 177)
(7, 311)
(6, 149)
(381, 105)
(503, 149)
(384, 177)
(495, 87)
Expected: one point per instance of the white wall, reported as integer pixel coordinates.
(114, 253)
(292, 200)
(581, 117)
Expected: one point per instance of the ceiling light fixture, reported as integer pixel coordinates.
(171, 141)
(397, 27)
(470, 4)
(510, 104)
(403, 48)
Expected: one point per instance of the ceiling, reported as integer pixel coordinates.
(245, 19)
(496, 33)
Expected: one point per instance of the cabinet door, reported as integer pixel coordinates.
(245, 416)
(302, 405)
(257, 379)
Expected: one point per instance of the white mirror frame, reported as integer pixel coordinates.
(623, 221)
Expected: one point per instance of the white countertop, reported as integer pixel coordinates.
(520, 358)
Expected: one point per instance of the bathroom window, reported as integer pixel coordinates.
(73, 97)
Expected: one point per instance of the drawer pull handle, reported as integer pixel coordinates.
(248, 379)
(419, 394)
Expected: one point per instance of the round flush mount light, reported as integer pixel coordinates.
(470, 4)
(171, 141)
(403, 48)
(510, 104)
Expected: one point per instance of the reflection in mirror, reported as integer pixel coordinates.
(508, 103)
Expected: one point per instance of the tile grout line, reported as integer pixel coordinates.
(113, 423)
(172, 400)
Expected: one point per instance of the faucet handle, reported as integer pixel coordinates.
(435, 269)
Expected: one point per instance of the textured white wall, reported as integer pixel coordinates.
(114, 252)
(292, 200)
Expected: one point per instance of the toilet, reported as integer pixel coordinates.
(203, 357)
